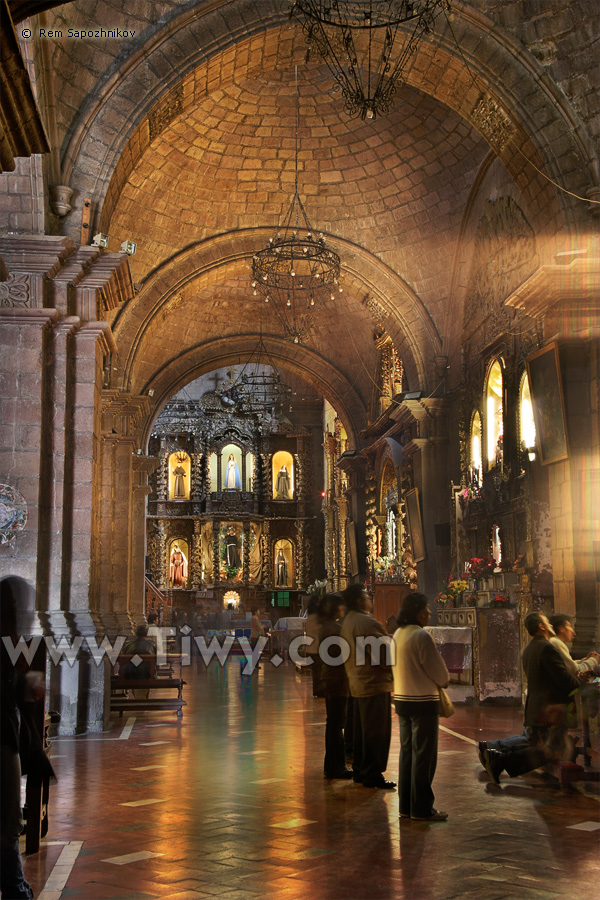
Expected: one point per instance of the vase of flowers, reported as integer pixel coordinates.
(448, 596)
(388, 569)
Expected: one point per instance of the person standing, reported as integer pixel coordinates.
(256, 631)
(419, 673)
(334, 686)
(549, 686)
(370, 681)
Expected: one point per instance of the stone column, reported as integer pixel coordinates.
(142, 467)
(121, 414)
(267, 556)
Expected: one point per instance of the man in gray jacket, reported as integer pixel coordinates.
(370, 680)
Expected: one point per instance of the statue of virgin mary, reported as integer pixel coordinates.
(232, 475)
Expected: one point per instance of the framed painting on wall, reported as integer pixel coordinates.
(415, 524)
(545, 385)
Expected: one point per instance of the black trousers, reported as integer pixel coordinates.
(335, 756)
(372, 735)
(418, 761)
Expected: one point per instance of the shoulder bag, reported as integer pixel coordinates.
(446, 705)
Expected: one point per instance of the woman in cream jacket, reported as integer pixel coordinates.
(419, 672)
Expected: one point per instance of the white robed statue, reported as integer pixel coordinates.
(232, 475)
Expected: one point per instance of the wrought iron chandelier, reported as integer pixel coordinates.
(259, 387)
(296, 272)
(360, 42)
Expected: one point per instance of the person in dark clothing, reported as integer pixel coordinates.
(333, 684)
(370, 681)
(142, 645)
(549, 686)
(15, 738)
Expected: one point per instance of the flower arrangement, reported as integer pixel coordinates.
(453, 588)
(471, 598)
(317, 588)
(481, 566)
(388, 568)
(501, 601)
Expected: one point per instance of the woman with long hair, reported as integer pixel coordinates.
(419, 672)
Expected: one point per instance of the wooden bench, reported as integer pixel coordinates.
(121, 702)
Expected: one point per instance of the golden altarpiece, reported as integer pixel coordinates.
(231, 501)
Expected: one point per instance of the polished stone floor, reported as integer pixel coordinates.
(230, 803)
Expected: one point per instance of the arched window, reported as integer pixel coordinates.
(475, 461)
(494, 425)
(526, 420)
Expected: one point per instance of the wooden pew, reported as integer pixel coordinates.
(121, 701)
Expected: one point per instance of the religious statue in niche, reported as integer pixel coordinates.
(282, 486)
(232, 475)
(179, 472)
(230, 552)
(178, 567)
(282, 564)
(232, 549)
(281, 574)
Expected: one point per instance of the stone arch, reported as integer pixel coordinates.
(311, 367)
(217, 42)
(226, 257)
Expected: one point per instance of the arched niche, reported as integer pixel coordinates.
(494, 413)
(475, 449)
(179, 475)
(231, 468)
(178, 555)
(231, 598)
(283, 563)
(526, 420)
(231, 551)
(283, 475)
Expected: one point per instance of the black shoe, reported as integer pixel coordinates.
(481, 748)
(436, 816)
(493, 764)
(380, 783)
(346, 774)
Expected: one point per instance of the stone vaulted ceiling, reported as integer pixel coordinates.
(200, 169)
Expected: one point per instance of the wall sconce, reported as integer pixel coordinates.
(128, 247)
(100, 240)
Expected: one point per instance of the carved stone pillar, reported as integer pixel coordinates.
(196, 557)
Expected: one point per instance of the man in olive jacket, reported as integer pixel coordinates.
(549, 686)
(371, 681)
